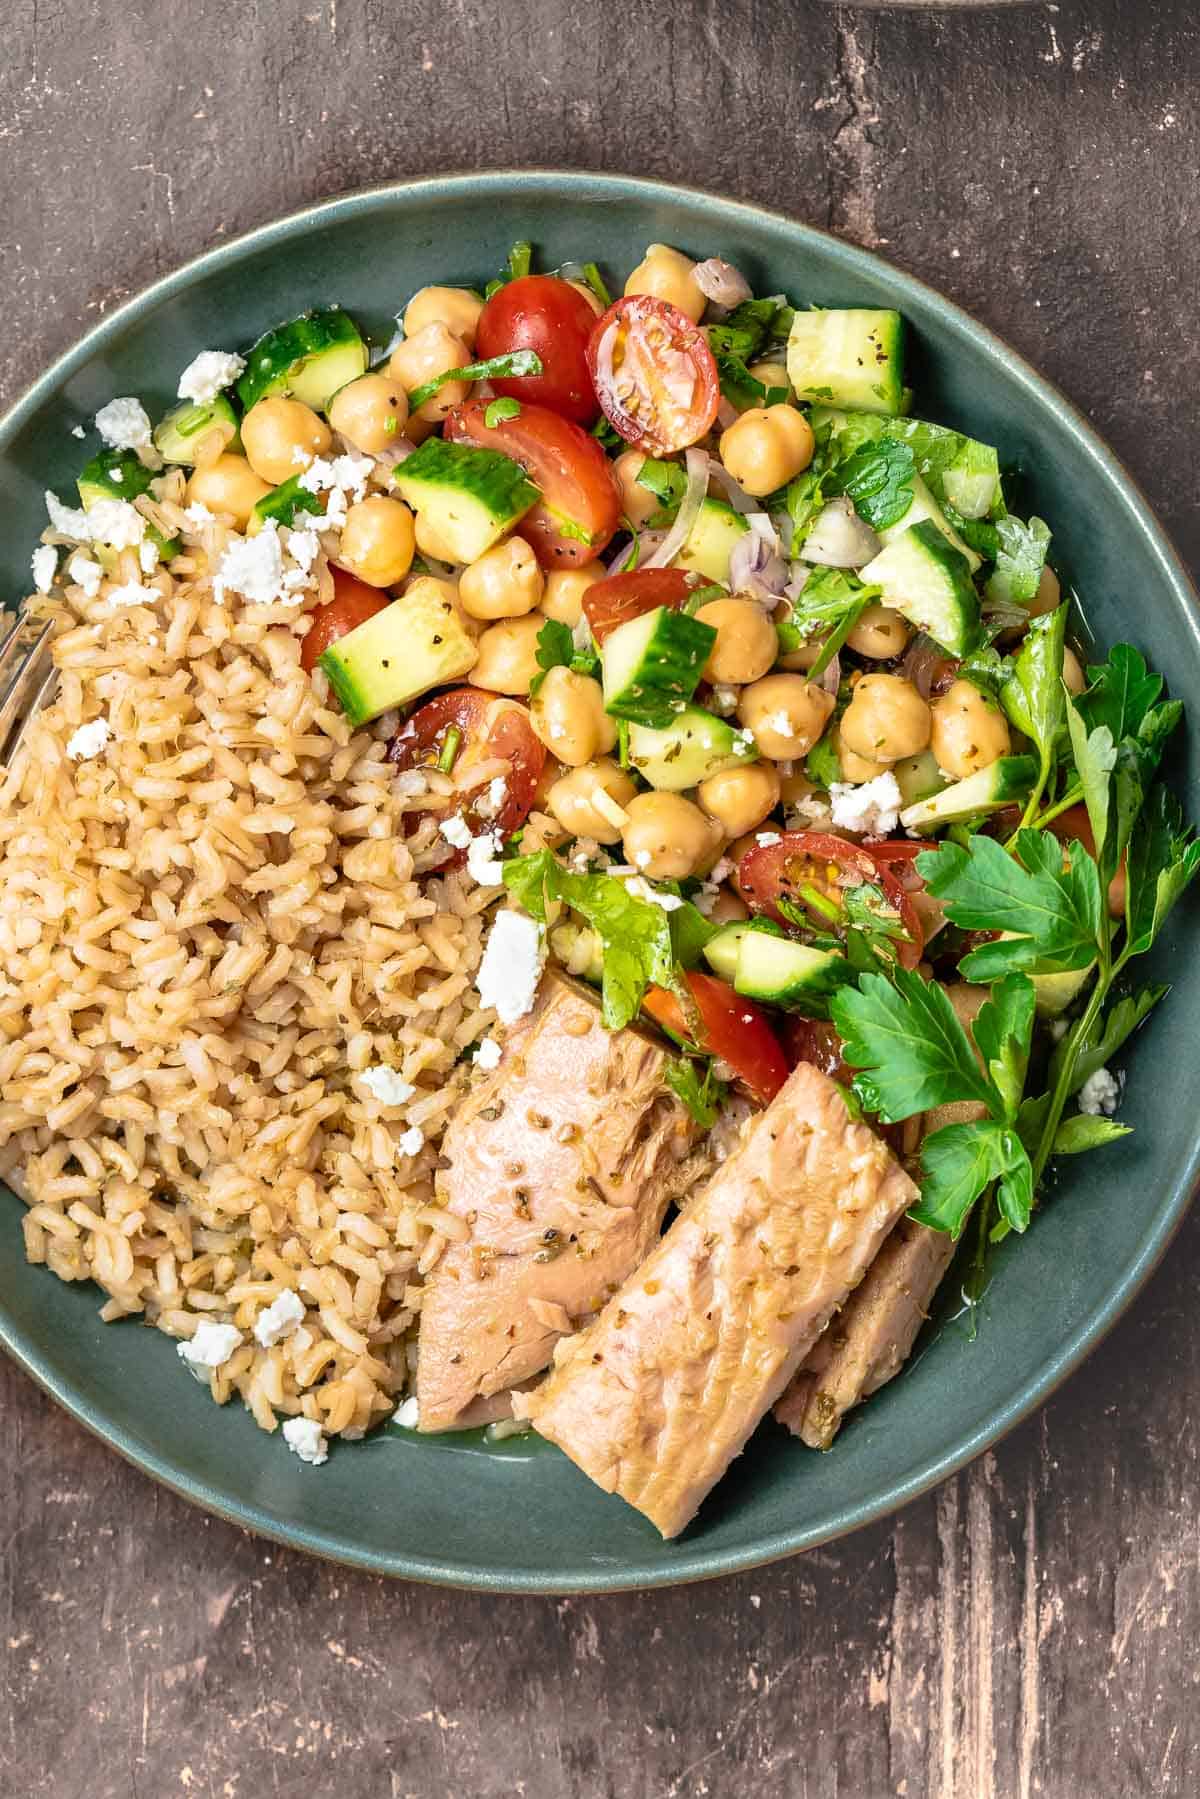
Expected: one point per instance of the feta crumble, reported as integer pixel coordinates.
(302, 547)
(765, 839)
(197, 515)
(78, 431)
(872, 807)
(212, 1345)
(723, 700)
(280, 1320)
(132, 593)
(512, 966)
(411, 1142)
(482, 863)
(408, 1415)
(45, 567)
(115, 522)
(88, 740)
(70, 521)
(1100, 1094)
(385, 1085)
(456, 831)
(487, 1056)
(147, 556)
(85, 573)
(305, 1438)
(206, 374)
(639, 888)
(253, 567)
(125, 424)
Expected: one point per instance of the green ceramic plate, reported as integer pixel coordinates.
(527, 1520)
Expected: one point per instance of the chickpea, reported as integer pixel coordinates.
(740, 798)
(771, 374)
(1073, 673)
(746, 645)
(669, 275)
(637, 503)
(457, 308)
(859, 768)
(507, 655)
(430, 541)
(572, 800)
(562, 596)
(727, 908)
(886, 719)
(667, 837)
(969, 730)
(785, 714)
(766, 447)
(378, 540)
(431, 351)
(880, 633)
(1048, 595)
(568, 715)
(282, 436)
(795, 787)
(505, 582)
(370, 413)
(228, 486)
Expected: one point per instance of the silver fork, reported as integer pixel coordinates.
(27, 678)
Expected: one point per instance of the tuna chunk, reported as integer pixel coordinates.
(658, 1397)
(560, 1168)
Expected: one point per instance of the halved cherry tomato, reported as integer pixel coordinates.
(488, 727)
(814, 861)
(545, 314)
(654, 374)
(619, 598)
(353, 603)
(733, 1028)
(580, 508)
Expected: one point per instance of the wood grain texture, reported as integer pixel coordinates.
(1028, 1629)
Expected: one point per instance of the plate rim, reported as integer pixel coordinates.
(693, 1563)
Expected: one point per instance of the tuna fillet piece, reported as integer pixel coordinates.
(560, 1167)
(658, 1397)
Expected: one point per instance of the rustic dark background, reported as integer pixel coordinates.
(1028, 1629)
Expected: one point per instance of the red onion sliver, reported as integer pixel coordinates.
(738, 498)
(689, 508)
(831, 679)
(720, 282)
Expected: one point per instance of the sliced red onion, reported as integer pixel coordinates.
(727, 414)
(756, 569)
(738, 498)
(921, 663)
(685, 518)
(831, 678)
(396, 452)
(760, 523)
(721, 283)
(838, 538)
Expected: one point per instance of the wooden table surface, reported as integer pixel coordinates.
(1030, 1627)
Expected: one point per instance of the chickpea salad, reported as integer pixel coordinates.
(788, 742)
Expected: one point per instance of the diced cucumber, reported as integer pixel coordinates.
(470, 497)
(416, 643)
(652, 666)
(580, 949)
(721, 951)
(792, 975)
(283, 503)
(176, 435)
(924, 506)
(1008, 779)
(925, 578)
(309, 357)
(710, 541)
(693, 746)
(918, 777)
(118, 475)
(848, 357)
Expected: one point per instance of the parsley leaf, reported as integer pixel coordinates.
(1096, 1047)
(959, 1161)
(555, 648)
(496, 410)
(1052, 913)
(739, 386)
(1020, 558)
(1121, 692)
(1164, 858)
(1082, 1131)
(828, 606)
(1003, 1033)
(1034, 697)
(905, 1038)
(668, 483)
(878, 478)
(743, 333)
(514, 362)
(702, 1093)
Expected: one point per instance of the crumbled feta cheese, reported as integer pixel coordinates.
(385, 1085)
(302, 547)
(68, 520)
(305, 1438)
(408, 1415)
(872, 807)
(78, 431)
(147, 555)
(132, 593)
(411, 1142)
(765, 839)
(85, 573)
(482, 863)
(641, 858)
(721, 871)
(124, 424)
(212, 1344)
(280, 1320)
(487, 1056)
(253, 567)
(206, 374)
(456, 831)
(349, 472)
(743, 743)
(512, 966)
(45, 567)
(489, 803)
(723, 700)
(1100, 1094)
(115, 522)
(641, 889)
(197, 515)
(88, 740)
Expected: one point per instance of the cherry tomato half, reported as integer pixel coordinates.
(488, 727)
(353, 603)
(545, 314)
(580, 508)
(733, 1028)
(807, 869)
(654, 374)
(619, 598)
